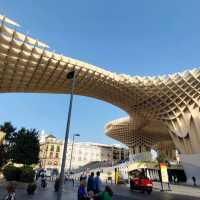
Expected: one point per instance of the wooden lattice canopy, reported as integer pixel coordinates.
(158, 107)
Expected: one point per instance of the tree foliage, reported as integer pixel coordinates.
(162, 157)
(9, 130)
(23, 174)
(25, 147)
(20, 146)
(4, 157)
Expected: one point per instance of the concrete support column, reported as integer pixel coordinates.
(185, 133)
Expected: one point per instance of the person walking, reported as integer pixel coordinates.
(97, 183)
(73, 181)
(194, 181)
(81, 177)
(43, 181)
(90, 183)
(57, 184)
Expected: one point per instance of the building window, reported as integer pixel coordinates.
(57, 155)
(51, 155)
(58, 149)
(52, 147)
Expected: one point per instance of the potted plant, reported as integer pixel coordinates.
(31, 188)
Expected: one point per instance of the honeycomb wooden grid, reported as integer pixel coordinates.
(171, 102)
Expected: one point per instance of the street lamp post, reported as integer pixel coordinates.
(70, 75)
(70, 163)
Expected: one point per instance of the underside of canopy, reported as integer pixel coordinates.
(165, 102)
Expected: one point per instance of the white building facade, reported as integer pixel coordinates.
(86, 152)
(83, 153)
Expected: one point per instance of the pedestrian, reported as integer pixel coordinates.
(105, 195)
(10, 193)
(36, 175)
(90, 183)
(73, 181)
(43, 181)
(81, 177)
(97, 183)
(51, 176)
(175, 179)
(82, 194)
(194, 181)
(57, 184)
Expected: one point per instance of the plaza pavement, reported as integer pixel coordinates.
(121, 193)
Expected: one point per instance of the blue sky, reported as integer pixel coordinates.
(140, 37)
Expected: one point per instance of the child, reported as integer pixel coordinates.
(82, 194)
(11, 193)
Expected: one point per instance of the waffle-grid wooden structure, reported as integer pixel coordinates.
(162, 108)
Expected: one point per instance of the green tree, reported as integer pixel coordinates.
(9, 130)
(25, 147)
(3, 155)
(162, 157)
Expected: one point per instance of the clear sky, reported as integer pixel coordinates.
(136, 37)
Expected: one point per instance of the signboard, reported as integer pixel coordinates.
(164, 173)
